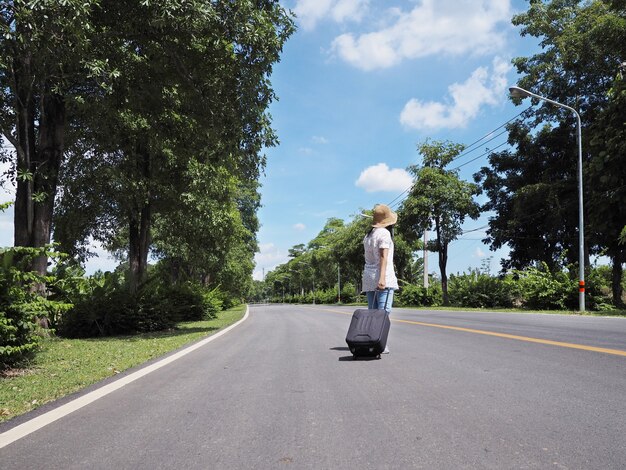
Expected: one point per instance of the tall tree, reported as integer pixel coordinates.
(185, 124)
(439, 199)
(583, 45)
(46, 64)
(532, 193)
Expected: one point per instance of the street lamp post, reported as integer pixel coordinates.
(518, 92)
(338, 283)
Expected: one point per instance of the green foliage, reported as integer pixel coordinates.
(22, 304)
(108, 308)
(348, 293)
(545, 290)
(170, 177)
(438, 199)
(411, 295)
(533, 190)
(478, 289)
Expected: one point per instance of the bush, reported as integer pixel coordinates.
(540, 289)
(22, 303)
(212, 303)
(599, 295)
(115, 311)
(411, 295)
(107, 308)
(481, 290)
(348, 293)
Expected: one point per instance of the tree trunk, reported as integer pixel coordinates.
(25, 149)
(616, 278)
(140, 225)
(139, 245)
(38, 163)
(47, 162)
(442, 252)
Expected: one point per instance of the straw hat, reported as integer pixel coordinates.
(383, 216)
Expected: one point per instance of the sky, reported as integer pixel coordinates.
(360, 84)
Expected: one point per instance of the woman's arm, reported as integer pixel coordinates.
(382, 282)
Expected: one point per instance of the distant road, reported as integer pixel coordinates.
(460, 390)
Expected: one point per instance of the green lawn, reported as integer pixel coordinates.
(64, 366)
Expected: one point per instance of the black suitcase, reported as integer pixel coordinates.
(368, 331)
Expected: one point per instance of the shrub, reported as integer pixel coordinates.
(479, 290)
(106, 307)
(212, 303)
(599, 295)
(541, 289)
(348, 293)
(114, 313)
(22, 303)
(418, 296)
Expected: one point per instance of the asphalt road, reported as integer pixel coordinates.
(282, 391)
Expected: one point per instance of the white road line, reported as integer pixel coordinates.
(40, 421)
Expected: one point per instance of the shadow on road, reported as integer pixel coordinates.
(351, 357)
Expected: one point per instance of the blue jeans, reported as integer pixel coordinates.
(382, 296)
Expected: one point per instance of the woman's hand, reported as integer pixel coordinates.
(381, 285)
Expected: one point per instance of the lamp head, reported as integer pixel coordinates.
(517, 92)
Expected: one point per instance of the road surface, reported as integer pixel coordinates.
(459, 390)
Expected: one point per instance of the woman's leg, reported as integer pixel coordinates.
(385, 296)
(371, 296)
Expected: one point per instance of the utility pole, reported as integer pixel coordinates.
(338, 284)
(425, 259)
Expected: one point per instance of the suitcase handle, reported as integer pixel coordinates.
(386, 298)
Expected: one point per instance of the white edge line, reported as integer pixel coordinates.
(40, 421)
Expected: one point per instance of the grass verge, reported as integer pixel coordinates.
(591, 313)
(64, 366)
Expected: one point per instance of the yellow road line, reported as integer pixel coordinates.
(615, 352)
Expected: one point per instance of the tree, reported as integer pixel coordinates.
(179, 136)
(531, 192)
(438, 197)
(46, 65)
(583, 45)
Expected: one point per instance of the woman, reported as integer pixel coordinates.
(379, 277)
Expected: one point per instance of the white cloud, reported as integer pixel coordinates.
(309, 12)
(381, 178)
(299, 227)
(483, 87)
(268, 257)
(433, 27)
(305, 150)
(479, 253)
(320, 140)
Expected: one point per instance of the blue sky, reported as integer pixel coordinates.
(360, 84)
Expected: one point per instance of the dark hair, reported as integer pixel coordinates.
(388, 227)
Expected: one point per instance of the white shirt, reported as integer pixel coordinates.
(372, 243)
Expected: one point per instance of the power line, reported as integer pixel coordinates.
(488, 134)
(466, 152)
(480, 156)
(475, 229)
